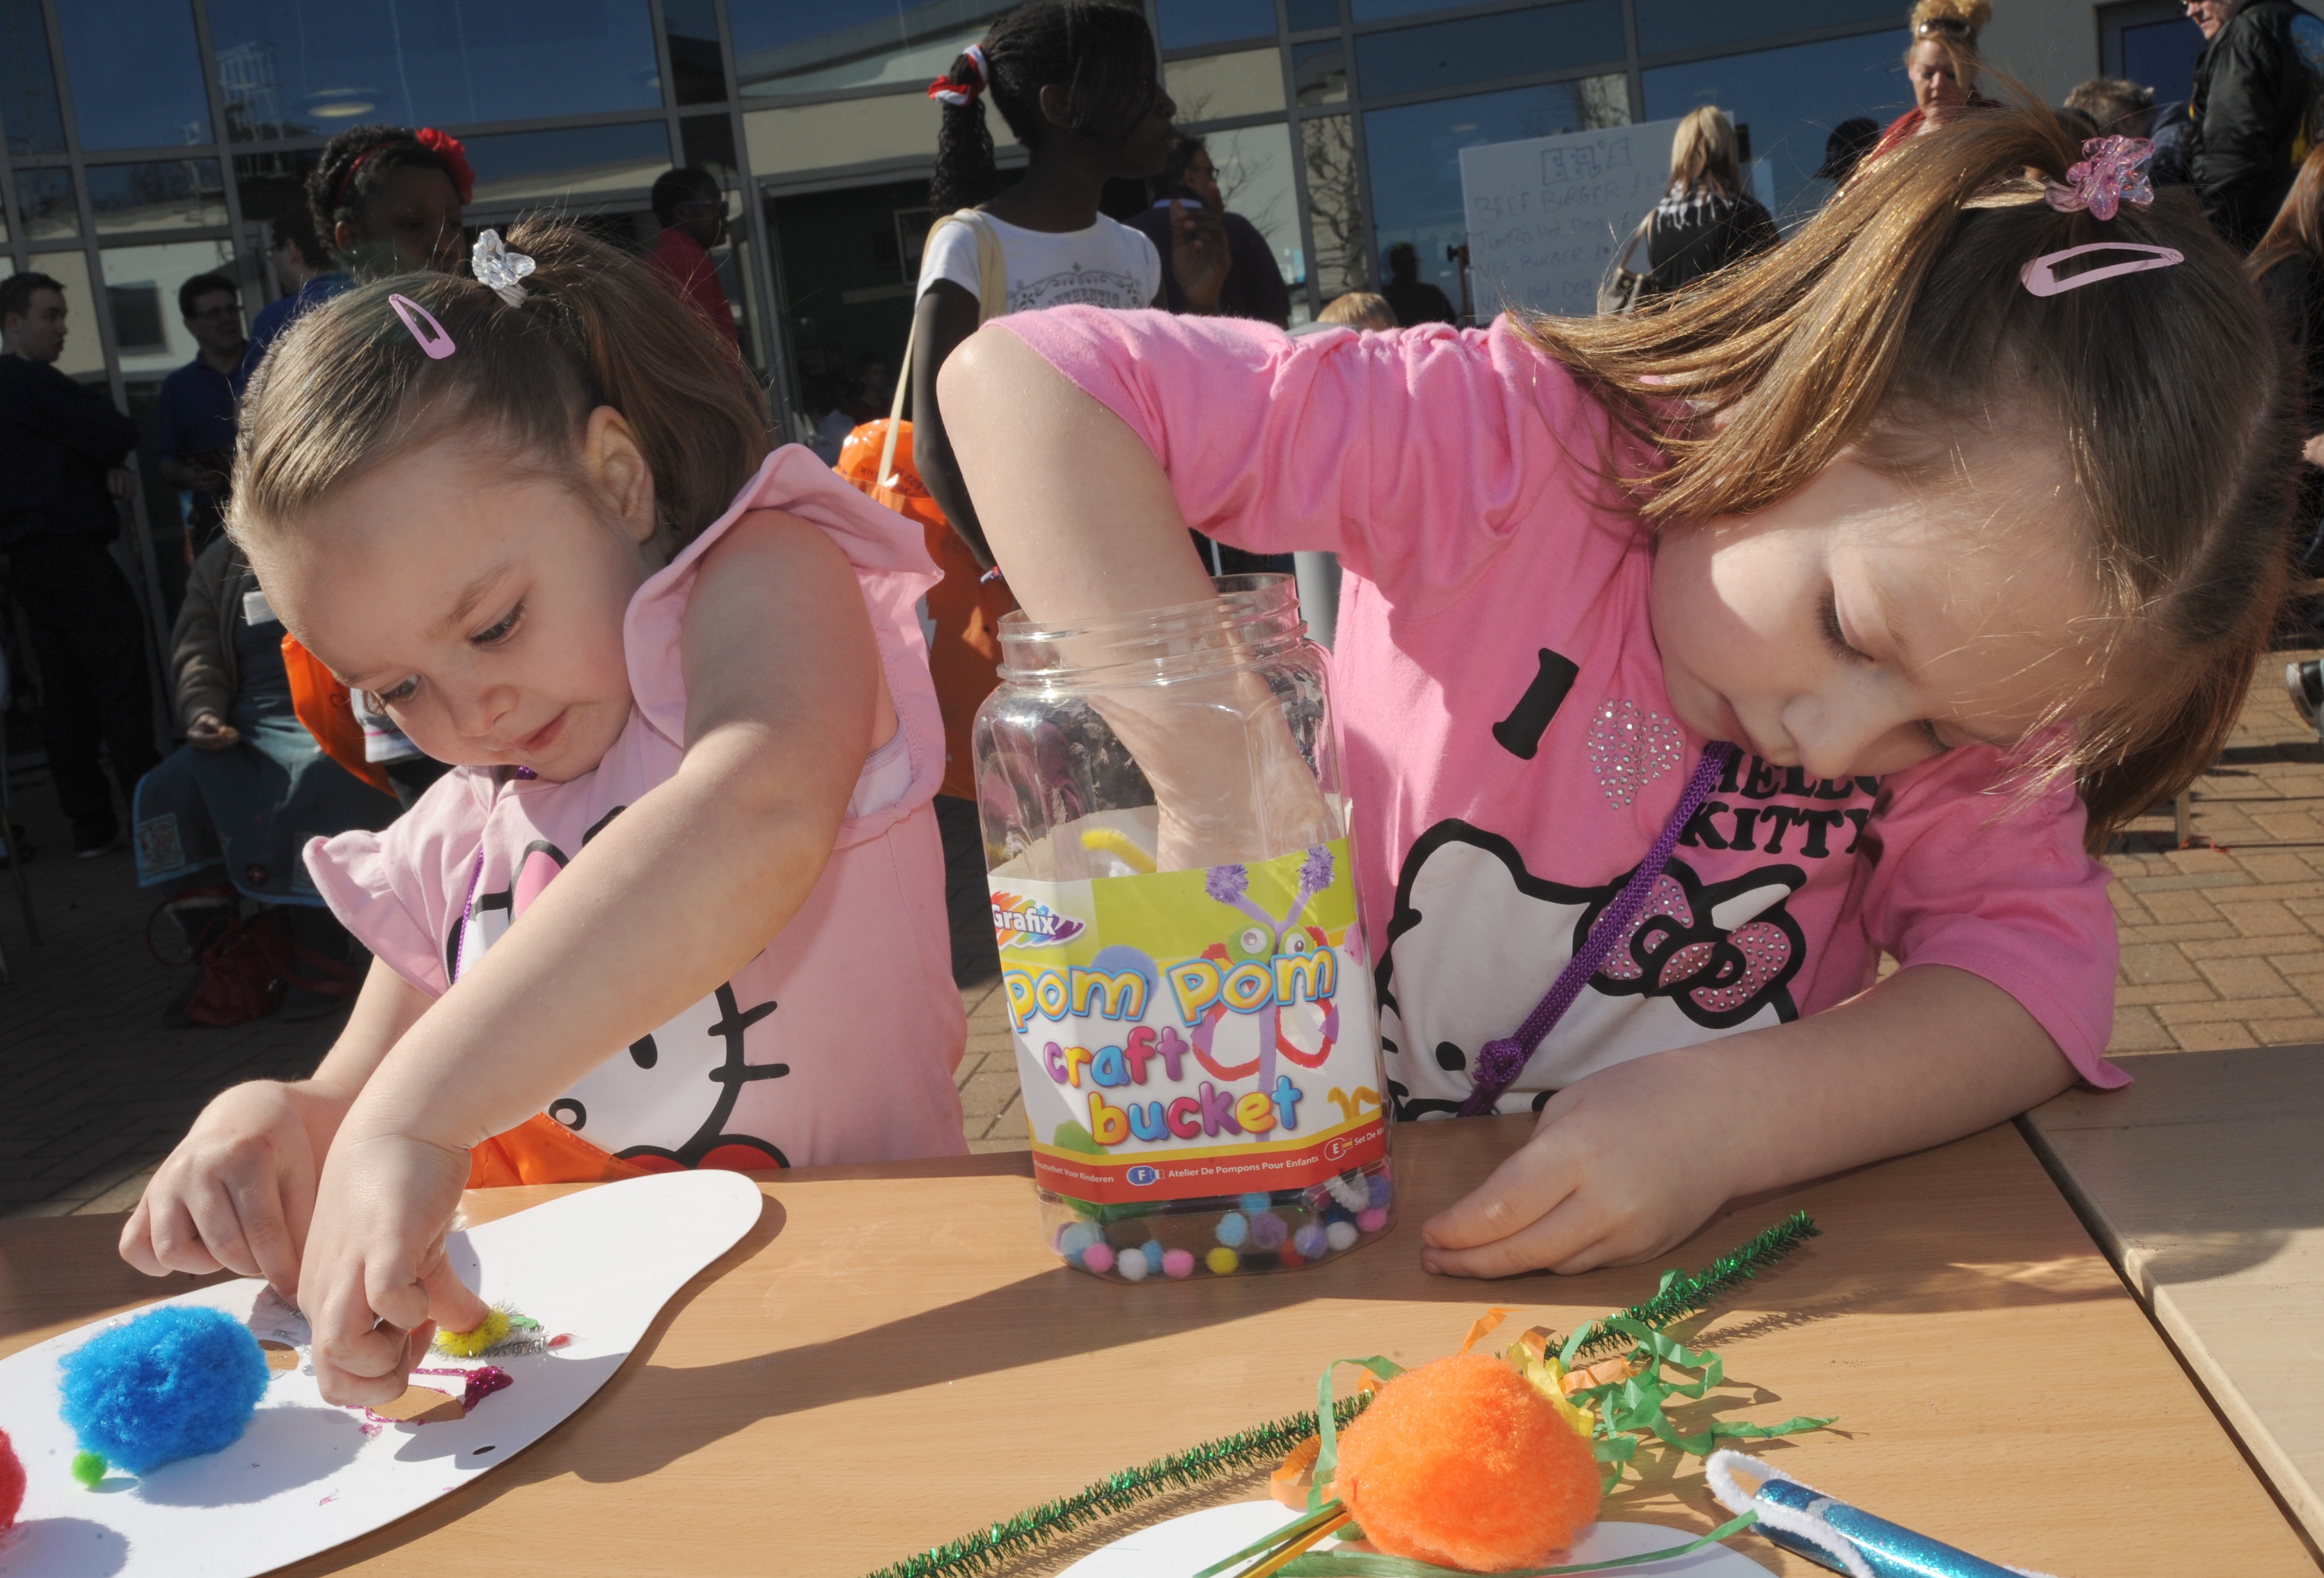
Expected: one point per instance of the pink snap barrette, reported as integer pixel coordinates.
(2112, 172)
(2041, 275)
(432, 339)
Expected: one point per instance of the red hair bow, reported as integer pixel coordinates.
(448, 148)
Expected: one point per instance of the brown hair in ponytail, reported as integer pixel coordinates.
(1895, 325)
(348, 386)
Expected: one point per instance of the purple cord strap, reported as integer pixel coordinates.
(1500, 1062)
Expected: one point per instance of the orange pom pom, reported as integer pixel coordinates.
(1461, 1463)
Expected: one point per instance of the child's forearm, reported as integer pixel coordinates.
(1927, 1056)
(685, 886)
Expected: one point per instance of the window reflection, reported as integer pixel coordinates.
(28, 85)
(84, 357)
(310, 68)
(852, 131)
(1365, 10)
(1216, 87)
(1415, 159)
(141, 284)
(1320, 72)
(518, 169)
(44, 205)
(1306, 15)
(1189, 24)
(1668, 25)
(814, 46)
(136, 73)
(1335, 204)
(699, 74)
(1790, 99)
(177, 194)
(1478, 48)
(2162, 54)
(707, 142)
(1255, 178)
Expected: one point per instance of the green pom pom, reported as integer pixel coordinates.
(87, 1468)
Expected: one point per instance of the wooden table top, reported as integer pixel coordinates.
(2204, 1180)
(892, 1358)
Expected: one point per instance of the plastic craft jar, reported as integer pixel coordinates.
(1182, 953)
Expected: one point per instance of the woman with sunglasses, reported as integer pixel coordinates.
(1942, 64)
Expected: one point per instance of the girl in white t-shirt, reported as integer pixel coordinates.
(1080, 85)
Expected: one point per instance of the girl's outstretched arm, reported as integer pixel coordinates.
(236, 1193)
(1629, 1161)
(785, 699)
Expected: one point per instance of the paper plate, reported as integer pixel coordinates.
(306, 1476)
(1189, 1543)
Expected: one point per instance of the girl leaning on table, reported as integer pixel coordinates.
(682, 903)
(1961, 515)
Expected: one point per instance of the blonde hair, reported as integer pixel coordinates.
(1358, 310)
(1895, 325)
(348, 386)
(1703, 151)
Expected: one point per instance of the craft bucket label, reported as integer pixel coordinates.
(1192, 1033)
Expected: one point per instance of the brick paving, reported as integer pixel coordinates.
(2223, 946)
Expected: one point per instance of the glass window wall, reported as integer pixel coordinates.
(1217, 87)
(1791, 98)
(697, 69)
(176, 194)
(84, 355)
(1668, 27)
(136, 73)
(521, 169)
(1416, 160)
(851, 131)
(310, 68)
(1307, 15)
(45, 209)
(1257, 180)
(1483, 49)
(787, 47)
(1319, 72)
(141, 283)
(1188, 25)
(1335, 204)
(28, 84)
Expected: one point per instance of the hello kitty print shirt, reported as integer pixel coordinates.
(836, 1043)
(1510, 749)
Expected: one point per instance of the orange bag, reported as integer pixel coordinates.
(964, 651)
(541, 1150)
(321, 703)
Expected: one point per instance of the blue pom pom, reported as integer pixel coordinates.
(1255, 1202)
(1232, 1229)
(175, 1382)
(1382, 1191)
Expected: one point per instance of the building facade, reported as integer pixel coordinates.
(149, 141)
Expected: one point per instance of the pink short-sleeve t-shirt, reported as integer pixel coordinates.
(1510, 750)
(836, 1043)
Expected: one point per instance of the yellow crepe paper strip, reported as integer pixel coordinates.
(1121, 845)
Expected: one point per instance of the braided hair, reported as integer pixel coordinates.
(1099, 52)
(357, 162)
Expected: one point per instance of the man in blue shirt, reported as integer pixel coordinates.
(62, 445)
(199, 406)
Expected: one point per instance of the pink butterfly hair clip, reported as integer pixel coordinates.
(2112, 172)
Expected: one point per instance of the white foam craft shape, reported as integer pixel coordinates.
(600, 1264)
(1189, 1543)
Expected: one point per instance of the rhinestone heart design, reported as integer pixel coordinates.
(1630, 749)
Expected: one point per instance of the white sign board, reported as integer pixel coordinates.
(1547, 216)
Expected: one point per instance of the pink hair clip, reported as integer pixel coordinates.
(2112, 172)
(432, 339)
(2041, 275)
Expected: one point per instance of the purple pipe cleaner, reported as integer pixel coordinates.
(1500, 1062)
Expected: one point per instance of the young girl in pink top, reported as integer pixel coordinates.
(1969, 554)
(682, 904)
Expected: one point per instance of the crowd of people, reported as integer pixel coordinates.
(598, 716)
